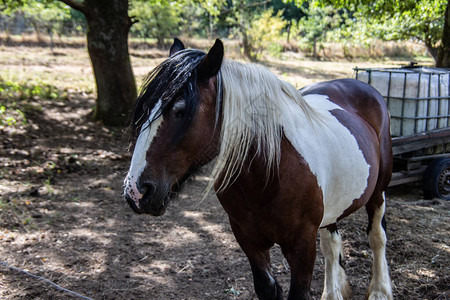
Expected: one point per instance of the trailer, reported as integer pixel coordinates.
(418, 99)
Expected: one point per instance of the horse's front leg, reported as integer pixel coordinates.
(257, 251)
(301, 254)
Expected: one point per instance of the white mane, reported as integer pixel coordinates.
(253, 99)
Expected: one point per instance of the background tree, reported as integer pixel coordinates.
(11, 4)
(291, 12)
(264, 31)
(240, 15)
(108, 25)
(316, 22)
(425, 20)
(257, 24)
(157, 19)
(443, 57)
(107, 42)
(213, 11)
(47, 17)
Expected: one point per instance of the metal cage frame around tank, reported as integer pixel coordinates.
(421, 73)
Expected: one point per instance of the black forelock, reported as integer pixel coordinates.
(174, 78)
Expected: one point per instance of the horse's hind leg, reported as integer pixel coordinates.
(336, 285)
(380, 286)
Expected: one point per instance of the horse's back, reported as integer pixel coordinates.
(357, 97)
(363, 100)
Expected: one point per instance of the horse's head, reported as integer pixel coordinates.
(175, 128)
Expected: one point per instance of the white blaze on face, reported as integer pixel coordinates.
(138, 160)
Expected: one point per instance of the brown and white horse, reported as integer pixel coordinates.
(289, 163)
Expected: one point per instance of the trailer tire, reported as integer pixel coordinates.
(436, 179)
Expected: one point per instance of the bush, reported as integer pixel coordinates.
(264, 32)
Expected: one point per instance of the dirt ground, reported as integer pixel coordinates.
(63, 218)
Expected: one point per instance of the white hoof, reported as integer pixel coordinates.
(344, 293)
(385, 294)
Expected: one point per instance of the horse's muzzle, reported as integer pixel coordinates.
(153, 201)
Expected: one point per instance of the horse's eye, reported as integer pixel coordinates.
(179, 109)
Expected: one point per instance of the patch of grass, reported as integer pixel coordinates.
(22, 91)
(15, 100)
(11, 117)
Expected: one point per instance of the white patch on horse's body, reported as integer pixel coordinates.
(380, 286)
(336, 286)
(138, 160)
(332, 153)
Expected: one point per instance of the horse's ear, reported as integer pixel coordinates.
(177, 46)
(210, 65)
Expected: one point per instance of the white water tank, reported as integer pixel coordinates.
(418, 98)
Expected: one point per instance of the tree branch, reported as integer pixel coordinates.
(75, 4)
(132, 20)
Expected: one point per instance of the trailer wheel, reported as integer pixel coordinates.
(436, 179)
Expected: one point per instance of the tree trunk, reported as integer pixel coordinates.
(107, 40)
(52, 43)
(288, 31)
(315, 55)
(160, 41)
(37, 29)
(210, 30)
(248, 51)
(443, 55)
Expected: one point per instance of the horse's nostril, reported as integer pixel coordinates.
(153, 201)
(147, 188)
